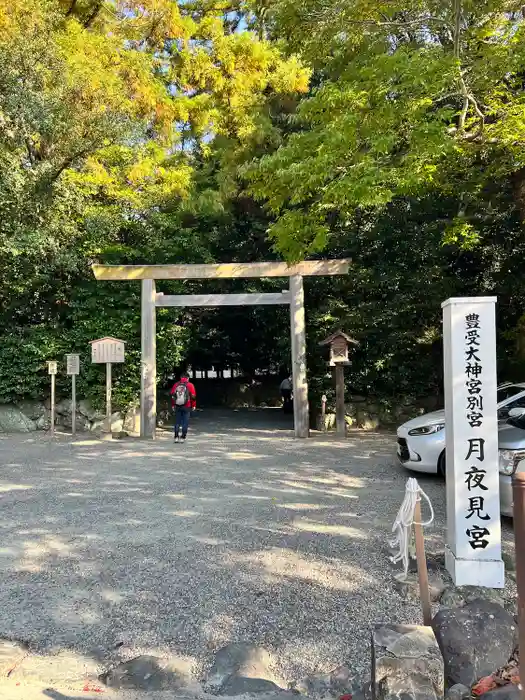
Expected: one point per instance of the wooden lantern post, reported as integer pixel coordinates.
(338, 343)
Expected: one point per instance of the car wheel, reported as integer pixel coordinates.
(442, 465)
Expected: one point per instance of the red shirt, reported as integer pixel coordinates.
(191, 403)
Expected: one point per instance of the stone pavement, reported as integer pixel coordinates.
(112, 550)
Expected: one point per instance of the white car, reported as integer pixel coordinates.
(421, 441)
(511, 442)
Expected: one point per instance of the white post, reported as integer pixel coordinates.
(52, 404)
(473, 553)
(73, 404)
(298, 333)
(148, 388)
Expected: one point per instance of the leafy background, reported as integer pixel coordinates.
(158, 131)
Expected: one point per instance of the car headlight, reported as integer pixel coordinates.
(427, 429)
(508, 461)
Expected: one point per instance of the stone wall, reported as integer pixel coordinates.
(368, 413)
(29, 416)
(365, 413)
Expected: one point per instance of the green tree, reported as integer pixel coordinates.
(109, 113)
(412, 98)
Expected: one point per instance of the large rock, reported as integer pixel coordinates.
(240, 685)
(44, 422)
(475, 640)
(341, 681)
(32, 409)
(367, 420)
(241, 668)
(406, 663)
(86, 409)
(458, 692)
(63, 421)
(505, 692)
(132, 420)
(64, 407)
(142, 673)
(12, 420)
(116, 424)
(326, 422)
(409, 588)
(459, 596)
(82, 423)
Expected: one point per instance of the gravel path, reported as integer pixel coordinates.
(239, 535)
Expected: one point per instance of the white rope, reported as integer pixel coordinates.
(402, 526)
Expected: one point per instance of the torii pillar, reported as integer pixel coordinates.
(148, 364)
(301, 416)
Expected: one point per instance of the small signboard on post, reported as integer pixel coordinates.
(73, 365)
(107, 350)
(52, 368)
(72, 369)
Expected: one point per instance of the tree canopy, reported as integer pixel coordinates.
(412, 98)
(198, 131)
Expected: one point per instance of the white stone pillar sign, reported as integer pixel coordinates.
(473, 552)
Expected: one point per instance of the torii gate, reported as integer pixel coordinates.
(150, 300)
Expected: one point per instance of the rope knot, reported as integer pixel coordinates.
(404, 521)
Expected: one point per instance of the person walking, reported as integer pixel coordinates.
(286, 394)
(184, 401)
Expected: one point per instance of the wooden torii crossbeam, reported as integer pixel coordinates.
(150, 300)
(306, 268)
(222, 299)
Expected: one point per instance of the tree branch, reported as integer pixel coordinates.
(152, 30)
(468, 97)
(457, 29)
(30, 151)
(405, 23)
(66, 163)
(71, 8)
(391, 23)
(457, 56)
(92, 17)
(463, 115)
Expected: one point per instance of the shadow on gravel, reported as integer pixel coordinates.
(240, 534)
